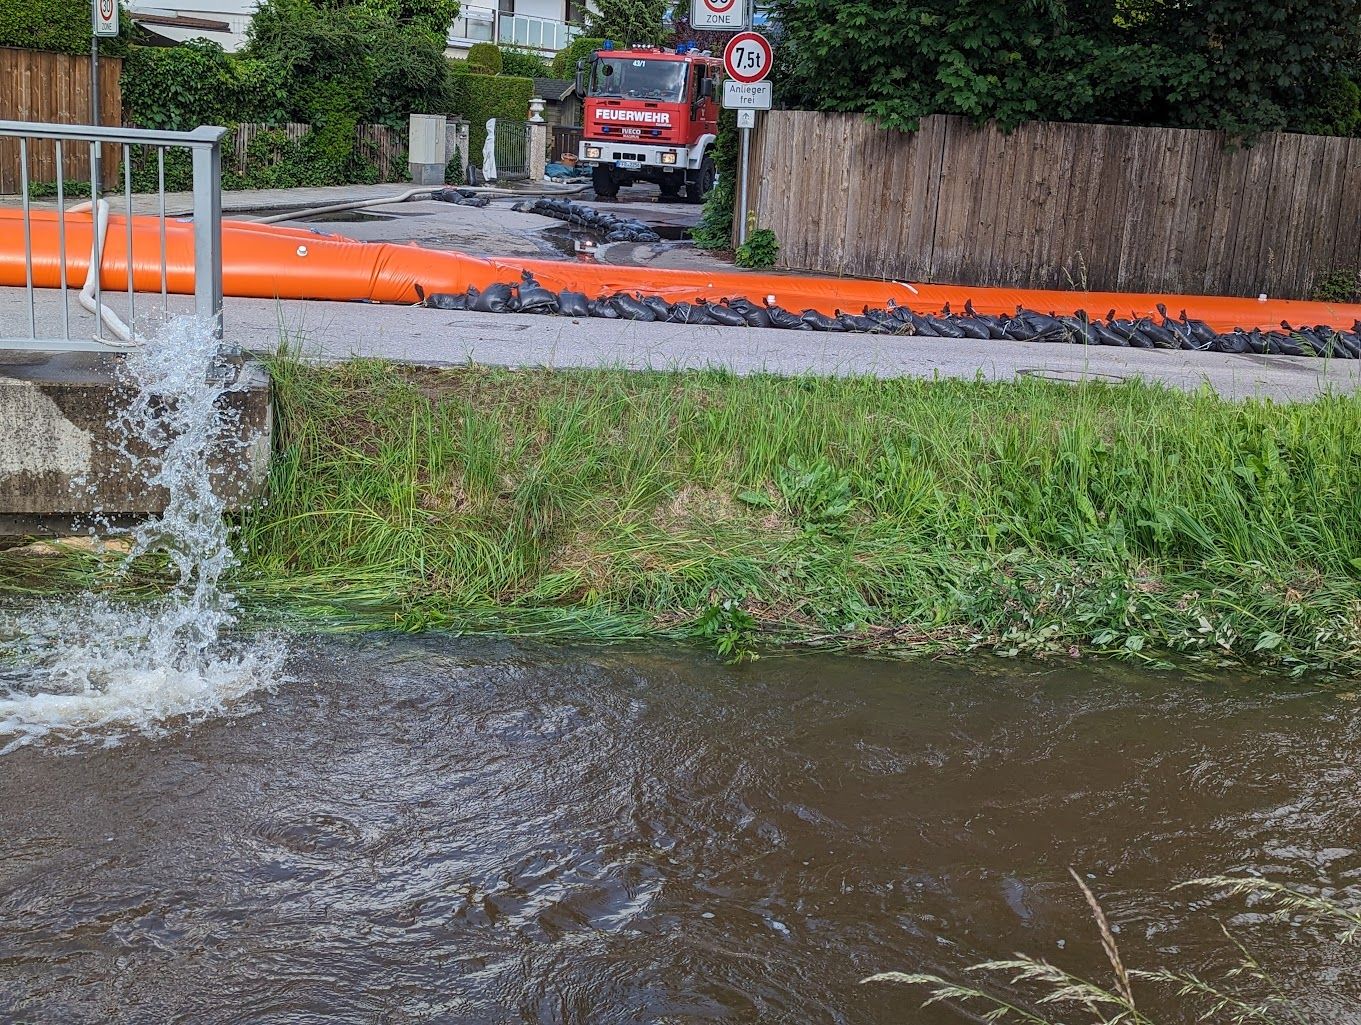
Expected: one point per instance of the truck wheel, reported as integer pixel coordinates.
(699, 181)
(602, 181)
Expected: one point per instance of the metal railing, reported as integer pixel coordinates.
(52, 331)
(535, 33)
(473, 24)
(485, 25)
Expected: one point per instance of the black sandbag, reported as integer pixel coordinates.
(1200, 331)
(782, 318)
(496, 298)
(942, 327)
(972, 327)
(619, 235)
(688, 313)
(1105, 336)
(818, 321)
(861, 324)
(1139, 340)
(447, 301)
(1288, 345)
(754, 315)
(1233, 343)
(1080, 329)
(658, 306)
(1018, 330)
(1160, 337)
(603, 309)
(725, 315)
(573, 304)
(630, 308)
(534, 298)
(1345, 342)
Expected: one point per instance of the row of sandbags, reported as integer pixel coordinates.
(607, 225)
(460, 197)
(1163, 332)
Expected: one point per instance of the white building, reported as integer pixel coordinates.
(543, 25)
(222, 21)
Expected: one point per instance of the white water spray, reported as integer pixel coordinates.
(90, 667)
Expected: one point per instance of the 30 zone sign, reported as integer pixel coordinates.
(746, 58)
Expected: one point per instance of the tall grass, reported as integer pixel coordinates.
(856, 512)
(1036, 992)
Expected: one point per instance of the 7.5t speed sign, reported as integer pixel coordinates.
(747, 57)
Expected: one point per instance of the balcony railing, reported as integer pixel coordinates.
(484, 25)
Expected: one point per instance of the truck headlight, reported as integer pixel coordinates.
(592, 152)
(669, 157)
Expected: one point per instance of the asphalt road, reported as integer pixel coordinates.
(327, 330)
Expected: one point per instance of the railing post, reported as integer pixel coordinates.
(208, 229)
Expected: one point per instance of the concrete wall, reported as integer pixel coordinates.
(60, 463)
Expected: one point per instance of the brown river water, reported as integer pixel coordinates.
(440, 830)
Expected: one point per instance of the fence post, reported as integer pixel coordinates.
(208, 226)
(538, 150)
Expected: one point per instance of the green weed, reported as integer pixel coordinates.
(1022, 518)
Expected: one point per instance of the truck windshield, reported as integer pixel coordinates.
(639, 79)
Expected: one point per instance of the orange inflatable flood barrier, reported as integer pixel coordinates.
(272, 262)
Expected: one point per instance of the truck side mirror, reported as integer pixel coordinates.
(706, 88)
(581, 77)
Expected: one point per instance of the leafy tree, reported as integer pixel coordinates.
(628, 21)
(565, 63)
(1244, 66)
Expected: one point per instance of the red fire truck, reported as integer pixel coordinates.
(650, 115)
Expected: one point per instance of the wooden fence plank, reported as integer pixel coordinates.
(1148, 208)
(55, 88)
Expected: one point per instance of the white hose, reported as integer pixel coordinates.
(123, 335)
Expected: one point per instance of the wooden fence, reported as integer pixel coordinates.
(378, 145)
(1056, 205)
(55, 87)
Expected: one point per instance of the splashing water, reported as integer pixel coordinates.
(93, 667)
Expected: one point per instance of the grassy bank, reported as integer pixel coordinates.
(938, 516)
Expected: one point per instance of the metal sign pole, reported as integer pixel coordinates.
(742, 188)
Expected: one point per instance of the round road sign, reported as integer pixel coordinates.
(719, 6)
(747, 57)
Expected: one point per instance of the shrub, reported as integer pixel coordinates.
(486, 55)
(62, 26)
(714, 230)
(1338, 286)
(181, 87)
(759, 250)
(565, 63)
(523, 64)
(482, 97)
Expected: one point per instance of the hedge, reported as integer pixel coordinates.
(182, 87)
(63, 26)
(482, 97)
(523, 63)
(487, 55)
